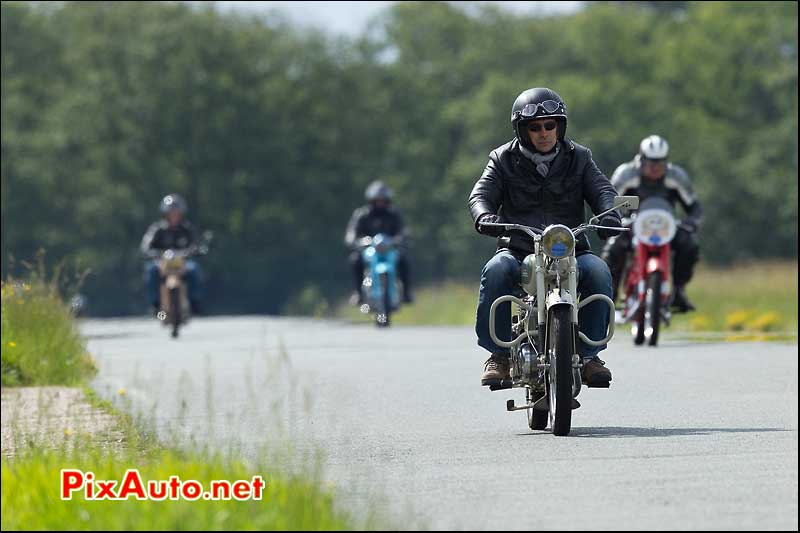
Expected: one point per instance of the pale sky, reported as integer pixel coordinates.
(350, 18)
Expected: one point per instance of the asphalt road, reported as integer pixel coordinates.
(689, 436)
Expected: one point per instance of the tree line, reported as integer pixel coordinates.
(272, 132)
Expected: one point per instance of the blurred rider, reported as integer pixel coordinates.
(650, 174)
(377, 216)
(172, 232)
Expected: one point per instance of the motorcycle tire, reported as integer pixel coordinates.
(382, 318)
(652, 308)
(559, 373)
(175, 310)
(638, 329)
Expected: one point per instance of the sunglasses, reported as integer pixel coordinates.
(537, 126)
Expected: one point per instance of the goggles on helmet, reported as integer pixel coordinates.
(549, 106)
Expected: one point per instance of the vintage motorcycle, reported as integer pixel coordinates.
(544, 355)
(379, 285)
(174, 295)
(647, 280)
(175, 309)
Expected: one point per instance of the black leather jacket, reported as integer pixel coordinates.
(368, 221)
(512, 188)
(160, 236)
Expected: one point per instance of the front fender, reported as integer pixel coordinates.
(560, 297)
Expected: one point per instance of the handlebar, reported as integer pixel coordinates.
(583, 228)
(366, 241)
(182, 252)
(536, 233)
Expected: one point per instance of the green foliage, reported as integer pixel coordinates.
(308, 302)
(272, 133)
(39, 341)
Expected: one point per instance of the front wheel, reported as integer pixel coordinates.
(382, 317)
(559, 380)
(637, 330)
(175, 309)
(652, 308)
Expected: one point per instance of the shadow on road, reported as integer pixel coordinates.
(603, 432)
(104, 336)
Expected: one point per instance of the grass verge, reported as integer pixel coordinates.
(39, 341)
(31, 497)
(41, 345)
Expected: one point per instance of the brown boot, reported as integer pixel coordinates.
(594, 372)
(497, 371)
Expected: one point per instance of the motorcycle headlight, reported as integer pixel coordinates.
(654, 227)
(174, 263)
(382, 243)
(558, 241)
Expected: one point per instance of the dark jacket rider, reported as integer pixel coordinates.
(650, 174)
(537, 179)
(172, 232)
(378, 216)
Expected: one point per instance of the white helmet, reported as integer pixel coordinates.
(654, 147)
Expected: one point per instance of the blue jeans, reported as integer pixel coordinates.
(191, 276)
(501, 276)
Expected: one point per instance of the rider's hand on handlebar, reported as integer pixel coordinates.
(610, 221)
(490, 231)
(689, 225)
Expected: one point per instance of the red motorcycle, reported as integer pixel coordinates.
(647, 281)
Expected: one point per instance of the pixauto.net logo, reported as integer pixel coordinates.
(132, 485)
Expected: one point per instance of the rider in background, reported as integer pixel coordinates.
(172, 232)
(650, 174)
(537, 179)
(378, 216)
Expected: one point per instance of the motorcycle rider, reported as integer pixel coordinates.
(172, 232)
(540, 178)
(378, 216)
(651, 174)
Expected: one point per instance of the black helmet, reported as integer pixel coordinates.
(378, 190)
(536, 103)
(173, 201)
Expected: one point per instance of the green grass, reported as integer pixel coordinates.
(758, 300)
(31, 497)
(295, 497)
(747, 300)
(40, 343)
(440, 305)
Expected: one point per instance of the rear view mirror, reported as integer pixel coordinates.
(628, 202)
(620, 202)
